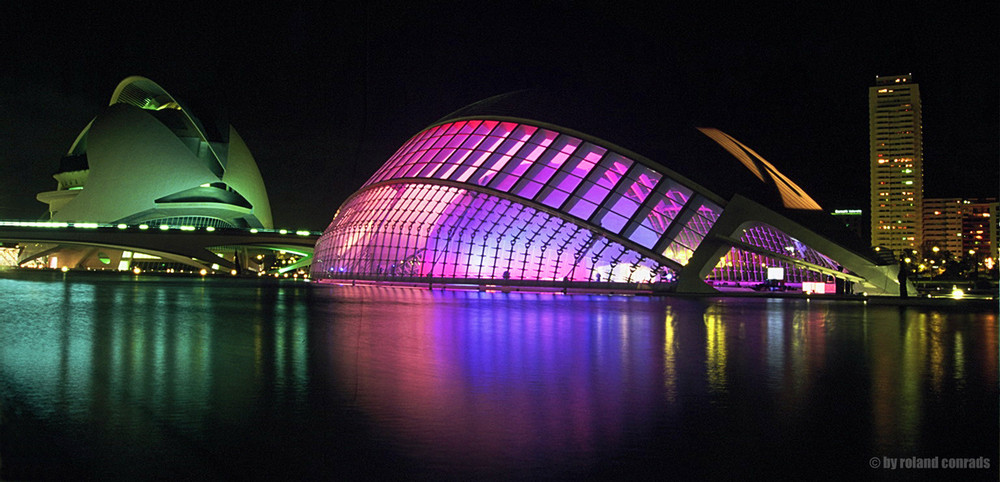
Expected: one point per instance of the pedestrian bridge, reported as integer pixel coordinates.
(188, 245)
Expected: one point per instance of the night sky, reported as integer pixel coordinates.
(323, 97)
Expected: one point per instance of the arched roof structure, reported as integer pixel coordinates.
(147, 159)
(487, 195)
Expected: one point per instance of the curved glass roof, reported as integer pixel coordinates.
(423, 230)
(609, 192)
(498, 198)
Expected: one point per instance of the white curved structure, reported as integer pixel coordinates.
(148, 159)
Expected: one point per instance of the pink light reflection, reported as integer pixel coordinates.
(454, 382)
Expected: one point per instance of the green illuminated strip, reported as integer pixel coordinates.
(34, 224)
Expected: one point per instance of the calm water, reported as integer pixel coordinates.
(109, 377)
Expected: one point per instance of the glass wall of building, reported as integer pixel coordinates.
(485, 199)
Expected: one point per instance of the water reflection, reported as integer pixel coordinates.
(715, 348)
(513, 379)
(129, 374)
(921, 358)
(114, 377)
(493, 379)
(670, 355)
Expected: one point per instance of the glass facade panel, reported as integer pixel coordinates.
(611, 169)
(553, 197)
(447, 232)
(441, 141)
(473, 141)
(502, 155)
(625, 206)
(670, 199)
(469, 165)
(486, 127)
(641, 181)
(468, 127)
(751, 267)
(589, 155)
(457, 140)
(594, 193)
(613, 222)
(565, 182)
(545, 167)
(503, 182)
(531, 153)
(644, 236)
(581, 208)
(429, 169)
(455, 127)
(528, 189)
(403, 230)
(451, 163)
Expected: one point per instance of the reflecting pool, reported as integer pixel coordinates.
(114, 376)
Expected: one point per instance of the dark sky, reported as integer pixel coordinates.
(324, 96)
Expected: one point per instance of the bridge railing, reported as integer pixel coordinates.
(144, 227)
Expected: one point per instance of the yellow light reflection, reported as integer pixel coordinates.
(715, 349)
(959, 358)
(670, 356)
(937, 356)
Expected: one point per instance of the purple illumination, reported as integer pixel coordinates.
(535, 204)
(740, 265)
(426, 230)
(446, 232)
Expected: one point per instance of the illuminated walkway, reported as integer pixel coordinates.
(180, 244)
